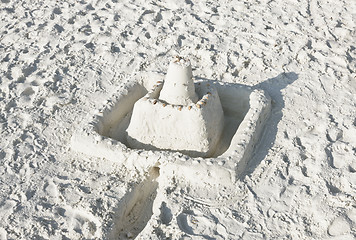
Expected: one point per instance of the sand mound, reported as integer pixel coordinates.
(169, 117)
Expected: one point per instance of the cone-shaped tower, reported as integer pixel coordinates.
(178, 87)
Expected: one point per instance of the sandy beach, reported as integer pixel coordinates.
(63, 62)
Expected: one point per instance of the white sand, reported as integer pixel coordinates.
(60, 62)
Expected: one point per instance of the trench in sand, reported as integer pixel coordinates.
(135, 208)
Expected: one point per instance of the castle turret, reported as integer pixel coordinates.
(178, 86)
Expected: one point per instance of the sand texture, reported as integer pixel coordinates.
(63, 62)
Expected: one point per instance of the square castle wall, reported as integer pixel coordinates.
(245, 112)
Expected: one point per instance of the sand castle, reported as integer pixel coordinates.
(216, 125)
(178, 115)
